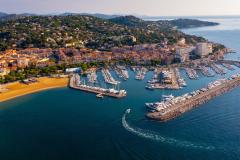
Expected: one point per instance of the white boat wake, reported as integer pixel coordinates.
(156, 137)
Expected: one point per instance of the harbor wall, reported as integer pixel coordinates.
(73, 86)
(194, 102)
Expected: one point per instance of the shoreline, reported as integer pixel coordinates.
(17, 89)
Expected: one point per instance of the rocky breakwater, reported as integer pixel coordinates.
(194, 99)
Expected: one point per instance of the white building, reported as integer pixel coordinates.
(203, 49)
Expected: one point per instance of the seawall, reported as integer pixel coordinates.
(182, 107)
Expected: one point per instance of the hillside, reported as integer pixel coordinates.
(132, 21)
(129, 21)
(88, 31)
(191, 23)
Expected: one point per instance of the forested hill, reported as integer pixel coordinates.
(132, 21)
(190, 23)
(88, 31)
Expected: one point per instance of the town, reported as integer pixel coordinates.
(147, 54)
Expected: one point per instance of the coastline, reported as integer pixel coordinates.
(17, 89)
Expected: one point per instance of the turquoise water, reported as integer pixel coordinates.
(68, 124)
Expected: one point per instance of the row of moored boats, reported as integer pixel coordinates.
(169, 101)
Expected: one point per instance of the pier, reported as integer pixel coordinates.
(122, 72)
(179, 105)
(92, 77)
(231, 62)
(205, 71)
(140, 73)
(181, 81)
(228, 66)
(217, 69)
(75, 83)
(166, 78)
(192, 74)
(108, 77)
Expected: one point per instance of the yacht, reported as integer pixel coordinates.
(149, 87)
(167, 96)
(99, 95)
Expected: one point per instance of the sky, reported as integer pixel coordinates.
(136, 7)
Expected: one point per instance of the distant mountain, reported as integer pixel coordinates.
(28, 14)
(2, 14)
(103, 16)
(10, 17)
(190, 23)
(7, 17)
(98, 15)
(132, 21)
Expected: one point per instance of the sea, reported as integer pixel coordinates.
(66, 124)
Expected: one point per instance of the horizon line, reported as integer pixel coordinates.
(123, 14)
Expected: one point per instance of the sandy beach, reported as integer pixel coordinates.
(17, 89)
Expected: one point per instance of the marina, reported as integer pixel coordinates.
(75, 83)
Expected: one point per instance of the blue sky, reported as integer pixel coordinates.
(140, 7)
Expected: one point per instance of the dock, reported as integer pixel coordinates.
(192, 74)
(187, 102)
(140, 73)
(108, 77)
(167, 78)
(228, 66)
(217, 69)
(205, 71)
(74, 83)
(122, 72)
(230, 62)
